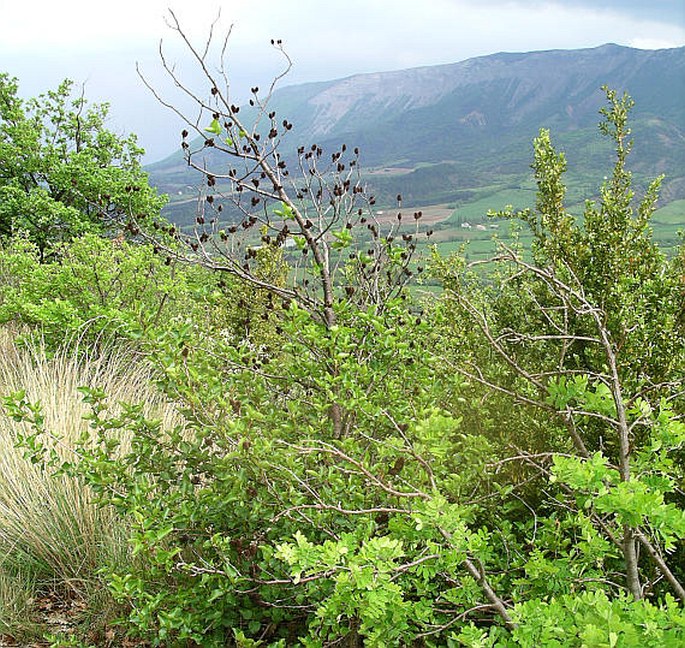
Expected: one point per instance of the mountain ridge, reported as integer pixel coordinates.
(478, 116)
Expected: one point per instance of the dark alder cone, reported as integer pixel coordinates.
(397, 467)
(214, 90)
(184, 133)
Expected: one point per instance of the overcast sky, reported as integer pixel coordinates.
(98, 43)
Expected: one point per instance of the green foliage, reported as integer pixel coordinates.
(62, 173)
(94, 289)
(592, 619)
(355, 467)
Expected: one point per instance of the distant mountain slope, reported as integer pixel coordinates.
(473, 121)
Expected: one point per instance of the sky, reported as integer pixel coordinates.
(99, 44)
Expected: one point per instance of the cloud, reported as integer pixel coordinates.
(99, 43)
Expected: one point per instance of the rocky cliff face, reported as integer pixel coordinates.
(498, 91)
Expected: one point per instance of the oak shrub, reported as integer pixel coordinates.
(473, 486)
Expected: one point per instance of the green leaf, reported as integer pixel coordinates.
(214, 127)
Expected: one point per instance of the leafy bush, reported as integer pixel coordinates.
(62, 173)
(502, 469)
(95, 289)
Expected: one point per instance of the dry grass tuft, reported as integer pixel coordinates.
(51, 531)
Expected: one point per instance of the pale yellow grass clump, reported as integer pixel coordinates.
(50, 528)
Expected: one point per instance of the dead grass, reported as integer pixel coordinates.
(53, 536)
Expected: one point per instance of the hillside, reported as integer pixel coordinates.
(443, 134)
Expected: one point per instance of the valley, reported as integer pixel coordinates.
(456, 140)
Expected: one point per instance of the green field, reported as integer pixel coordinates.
(470, 228)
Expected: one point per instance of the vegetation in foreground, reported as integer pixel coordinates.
(501, 466)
